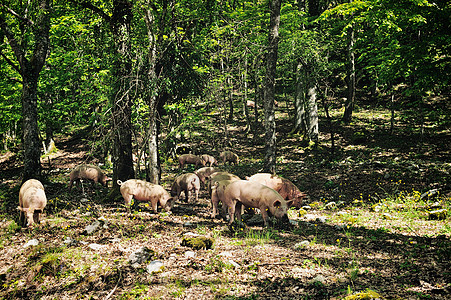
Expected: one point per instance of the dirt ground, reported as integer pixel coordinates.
(326, 252)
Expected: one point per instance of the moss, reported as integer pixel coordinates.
(197, 243)
(368, 294)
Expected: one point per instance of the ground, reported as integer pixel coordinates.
(375, 237)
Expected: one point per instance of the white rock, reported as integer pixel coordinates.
(190, 254)
(226, 253)
(33, 242)
(96, 247)
(236, 265)
(301, 244)
(155, 267)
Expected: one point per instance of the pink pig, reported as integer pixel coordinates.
(283, 186)
(188, 182)
(32, 201)
(204, 172)
(90, 172)
(145, 191)
(190, 159)
(256, 195)
(209, 160)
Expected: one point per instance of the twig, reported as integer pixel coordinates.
(114, 289)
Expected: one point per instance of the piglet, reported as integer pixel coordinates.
(204, 172)
(229, 156)
(187, 183)
(209, 160)
(190, 159)
(142, 190)
(283, 186)
(32, 201)
(90, 172)
(256, 195)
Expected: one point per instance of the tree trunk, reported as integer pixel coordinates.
(29, 68)
(31, 143)
(271, 62)
(312, 130)
(349, 105)
(299, 100)
(122, 102)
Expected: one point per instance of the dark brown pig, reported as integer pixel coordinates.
(141, 190)
(90, 172)
(256, 195)
(188, 182)
(204, 172)
(229, 156)
(283, 186)
(190, 159)
(32, 201)
(218, 176)
(209, 160)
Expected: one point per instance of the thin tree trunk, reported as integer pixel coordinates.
(271, 62)
(349, 105)
(299, 99)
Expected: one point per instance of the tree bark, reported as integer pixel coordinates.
(29, 69)
(271, 62)
(122, 102)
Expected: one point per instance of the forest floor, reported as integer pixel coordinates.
(377, 237)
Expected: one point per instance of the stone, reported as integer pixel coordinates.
(198, 242)
(92, 227)
(140, 256)
(439, 214)
(302, 244)
(33, 242)
(96, 247)
(233, 263)
(155, 266)
(190, 254)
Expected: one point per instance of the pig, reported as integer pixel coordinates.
(204, 172)
(251, 104)
(256, 195)
(190, 159)
(209, 160)
(32, 201)
(218, 176)
(217, 195)
(283, 186)
(188, 182)
(142, 190)
(229, 156)
(90, 172)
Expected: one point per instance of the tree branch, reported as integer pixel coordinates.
(10, 62)
(11, 11)
(95, 9)
(14, 46)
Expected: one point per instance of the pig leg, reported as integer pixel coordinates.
(238, 208)
(154, 205)
(36, 216)
(196, 194)
(232, 211)
(265, 216)
(214, 203)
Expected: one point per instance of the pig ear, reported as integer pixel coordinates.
(247, 177)
(290, 202)
(277, 203)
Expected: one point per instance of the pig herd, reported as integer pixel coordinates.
(270, 194)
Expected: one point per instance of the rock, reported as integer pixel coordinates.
(33, 242)
(321, 219)
(236, 265)
(140, 256)
(190, 254)
(368, 294)
(301, 245)
(226, 253)
(293, 222)
(188, 224)
(91, 228)
(198, 242)
(429, 194)
(70, 241)
(96, 247)
(155, 266)
(306, 207)
(319, 278)
(435, 205)
(331, 205)
(439, 214)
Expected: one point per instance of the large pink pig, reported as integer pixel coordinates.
(217, 195)
(89, 172)
(187, 183)
(229, 156)
(32, 201)
(283, 186)
(190, 159)
(204, 172)
(142, 190)
(253, 194)
(218, 176)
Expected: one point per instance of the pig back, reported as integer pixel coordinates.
(253, 194)
(29, 184)
(34, 199)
